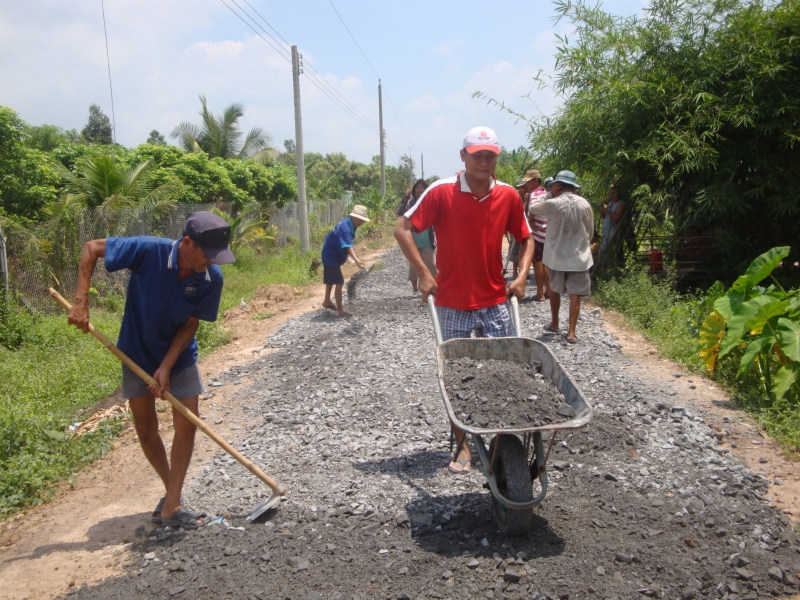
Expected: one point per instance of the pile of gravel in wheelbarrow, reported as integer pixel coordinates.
(501, 393)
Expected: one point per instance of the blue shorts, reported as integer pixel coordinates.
(332, 275)
(183, 384)
(494, 321)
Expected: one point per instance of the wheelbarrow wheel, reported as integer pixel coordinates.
(513, 477)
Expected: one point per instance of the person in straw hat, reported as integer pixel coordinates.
(337, 247)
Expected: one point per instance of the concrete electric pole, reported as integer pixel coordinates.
(301, 168)
(383, 152)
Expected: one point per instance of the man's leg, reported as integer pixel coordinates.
(574, 311)
(538, 273)
(145, 420)
(338, 294)
(181, 456)
(555, 306)
(327, 301)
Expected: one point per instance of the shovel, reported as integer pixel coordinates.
(277, 489)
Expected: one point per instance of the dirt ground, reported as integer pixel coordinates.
(81, 537)
(85, 535)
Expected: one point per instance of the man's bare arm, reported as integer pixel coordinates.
(352, 252)
(183, 337)
(79, 313)
(402, 233)
(525, 257)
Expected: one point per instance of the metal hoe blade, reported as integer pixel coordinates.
(264, 506)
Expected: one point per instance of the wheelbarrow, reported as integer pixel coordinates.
(516, 456)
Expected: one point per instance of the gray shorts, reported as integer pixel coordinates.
(578, 283)
(183, 384)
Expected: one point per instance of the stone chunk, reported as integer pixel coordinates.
(511, 576)
(775, 573)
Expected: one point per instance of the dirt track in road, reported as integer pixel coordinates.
(347, 415)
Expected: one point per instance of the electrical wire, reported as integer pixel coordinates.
(315, 77)
(108, 63)
(280, 51)
(371, 67)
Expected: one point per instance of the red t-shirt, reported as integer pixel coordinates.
(469, 237)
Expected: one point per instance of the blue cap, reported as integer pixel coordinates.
(212, 234)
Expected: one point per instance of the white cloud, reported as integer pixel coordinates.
(445, 47)
(217, 51)
(423, 103)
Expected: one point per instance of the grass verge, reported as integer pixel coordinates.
(672, 322)
(55, 372)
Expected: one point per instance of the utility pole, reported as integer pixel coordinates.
(422, 165)
(383, 153)
(298, 144)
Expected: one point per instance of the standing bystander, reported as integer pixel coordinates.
(533, 184)
(570, 225)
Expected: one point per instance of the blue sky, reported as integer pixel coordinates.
(431, 57)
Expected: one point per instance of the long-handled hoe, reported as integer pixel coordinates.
(277, 489)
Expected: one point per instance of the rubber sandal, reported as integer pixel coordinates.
(345, 315)
(465, 463)
(328, 307)
(156, 516)
(550, 329)
(537, 299)
(572, 340)
(184, 518)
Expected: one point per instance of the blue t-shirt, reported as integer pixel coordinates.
(157, 303)
(338, 240)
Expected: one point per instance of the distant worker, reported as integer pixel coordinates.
(173, 285)
(424, 241)
(470, 213)
(570, 225)
(513, 246)
(337, 247)
(536, 193)
(612, 211)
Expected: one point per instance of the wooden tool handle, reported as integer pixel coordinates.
(177, 404)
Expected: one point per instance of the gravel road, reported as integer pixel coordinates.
(347, 415)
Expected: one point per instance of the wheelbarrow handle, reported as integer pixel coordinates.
(437, 328)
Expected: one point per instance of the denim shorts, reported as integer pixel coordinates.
(494, 321)
(183, 384)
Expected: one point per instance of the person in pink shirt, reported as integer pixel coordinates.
(536, 193)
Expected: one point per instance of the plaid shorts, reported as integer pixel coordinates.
(494, 321)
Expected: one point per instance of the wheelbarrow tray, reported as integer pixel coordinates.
(518, 350)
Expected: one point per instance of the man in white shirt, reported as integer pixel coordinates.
(570, 226)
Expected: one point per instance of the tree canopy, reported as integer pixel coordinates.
(98, 128)
(694, 109)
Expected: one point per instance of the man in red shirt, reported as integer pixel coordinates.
(470, 214)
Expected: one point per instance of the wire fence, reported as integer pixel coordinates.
(321, 216)
(49, 254)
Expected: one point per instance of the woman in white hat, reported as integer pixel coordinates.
(337, 247)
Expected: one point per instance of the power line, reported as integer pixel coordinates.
(108, 63)
(371, 67)
(315, 78)
(354, 39)
(315, 73)
(349, 112)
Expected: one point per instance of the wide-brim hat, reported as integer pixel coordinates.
(567, 178)
(531, 174)
(360, 212)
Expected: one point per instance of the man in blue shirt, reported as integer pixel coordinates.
(173, 285)
(337, 247)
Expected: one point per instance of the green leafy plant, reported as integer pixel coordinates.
(247, 228)
(763, 322)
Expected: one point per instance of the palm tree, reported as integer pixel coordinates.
(248, 227)
(219, 135)
(100, 181)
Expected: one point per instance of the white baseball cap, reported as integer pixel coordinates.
(481, 138)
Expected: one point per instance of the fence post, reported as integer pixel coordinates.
(4, 262)
(328, 203)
